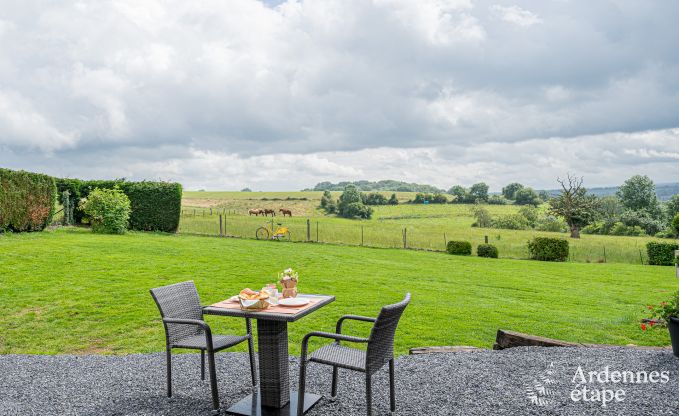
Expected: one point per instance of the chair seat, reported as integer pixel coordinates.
(341, 356)
(219, 342)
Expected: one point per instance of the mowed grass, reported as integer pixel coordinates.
(71, 291)
(427, 227)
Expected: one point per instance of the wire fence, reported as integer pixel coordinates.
(386, 234)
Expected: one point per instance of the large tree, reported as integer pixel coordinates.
(509, 191)
(527, 196)
(459, 192)
(638, 193)
(479, 192)
(574, 205)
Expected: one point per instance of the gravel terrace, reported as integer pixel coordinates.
(508, 382)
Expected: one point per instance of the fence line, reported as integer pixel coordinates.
(230, 223)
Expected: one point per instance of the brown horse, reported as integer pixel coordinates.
(255, 211)
(286, 212)
(269, 211)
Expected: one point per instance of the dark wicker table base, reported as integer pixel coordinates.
(252, 406)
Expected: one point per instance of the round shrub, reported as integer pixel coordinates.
(108, 210)
(459, 248)
(548, 249)
(487, 250)
(675, 223)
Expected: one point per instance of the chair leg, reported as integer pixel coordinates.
(392, 386)
(202, 365)
(253, 363)
(368, 394)
(168, 367)
(333, 392)
(213, 379)
(302, 388)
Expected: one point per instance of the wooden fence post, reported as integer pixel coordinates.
(445, 242)
(210, 211)
(308, 229)
(405, 238)
(221, 226)
(317, 231)
(486, 239)
(361, 235)
(605, 261)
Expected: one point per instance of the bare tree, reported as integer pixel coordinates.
(574, 205)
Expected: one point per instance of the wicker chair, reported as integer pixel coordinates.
(182, 315)
(379, 352)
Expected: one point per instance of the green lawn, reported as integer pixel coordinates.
(70, 291)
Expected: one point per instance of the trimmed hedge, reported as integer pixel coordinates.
(459, 248)
(548, 249)
(26, 200)
(487, 250)
(156, 206)
(661, 254)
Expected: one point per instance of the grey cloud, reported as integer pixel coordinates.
(103, 88)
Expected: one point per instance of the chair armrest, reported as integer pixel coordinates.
(194, 322)
(329, 335)
(353, 318)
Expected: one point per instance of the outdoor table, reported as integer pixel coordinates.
(274, 396)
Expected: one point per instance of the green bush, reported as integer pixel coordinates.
(675, 223)
(487, 250)
(393, 200)
(459, 248)
(548, 249)
(374, 198)
(497, 200)
(156, 206)
(531, 214)
(483, 217)
(551, 224)
(661, 254)
(511, 222)
(357, 210)
(26, 200)
(108, 210)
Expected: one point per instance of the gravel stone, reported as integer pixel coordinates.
(480, 383)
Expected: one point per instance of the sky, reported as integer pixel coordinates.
(280, 95)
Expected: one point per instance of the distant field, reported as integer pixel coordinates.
(72, 291)
(427, 226)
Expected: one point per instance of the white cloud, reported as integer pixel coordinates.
(516, 15)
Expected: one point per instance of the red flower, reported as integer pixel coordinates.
(651, 323)
(643, 327)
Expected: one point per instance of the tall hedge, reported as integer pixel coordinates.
(661, 254)
(26, 200)
(156, 206)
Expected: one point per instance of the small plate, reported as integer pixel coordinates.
(293, 301)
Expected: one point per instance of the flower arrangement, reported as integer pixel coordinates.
(661, 314)
(288, 279)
